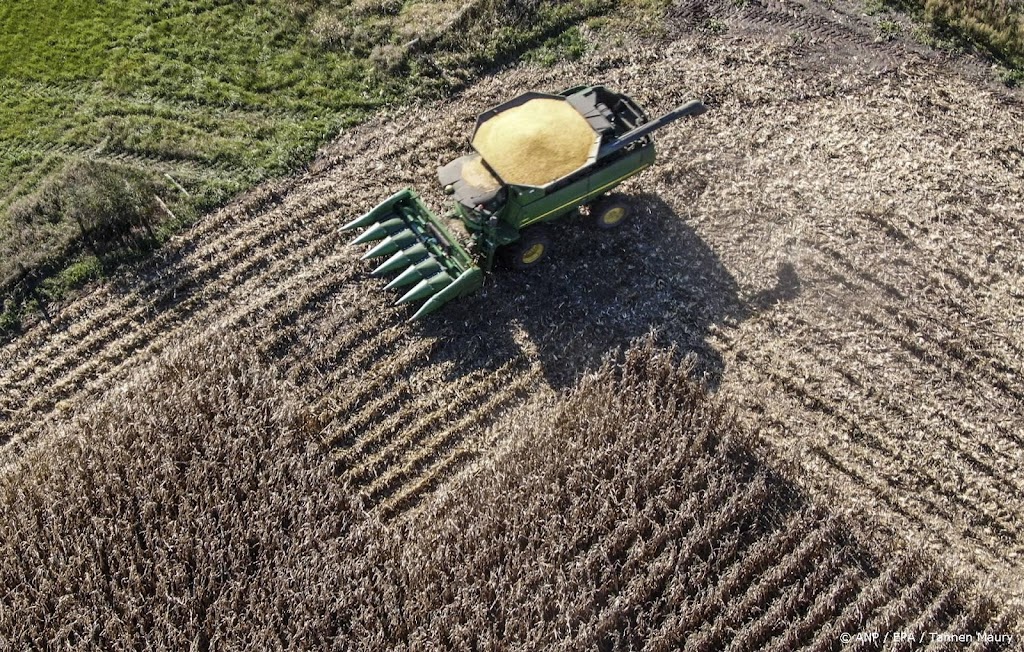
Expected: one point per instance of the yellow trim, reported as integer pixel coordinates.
(581, 197)
(533, 254)
(614, 216)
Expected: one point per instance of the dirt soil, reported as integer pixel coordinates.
(837, 242)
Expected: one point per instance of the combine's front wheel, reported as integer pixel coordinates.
(529, 250)
(610, 213)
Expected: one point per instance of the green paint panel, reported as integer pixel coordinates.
(426, 288)
(391, 244)
(380, 230)
(409, 256)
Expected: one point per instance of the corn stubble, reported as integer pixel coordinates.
(196, 509)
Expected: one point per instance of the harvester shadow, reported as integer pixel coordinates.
(599, 290)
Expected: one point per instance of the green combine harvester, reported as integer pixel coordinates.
(537, 158)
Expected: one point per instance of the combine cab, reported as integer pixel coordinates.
(537, 158)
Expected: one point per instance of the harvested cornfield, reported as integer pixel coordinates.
(629, 515)
(836, 243)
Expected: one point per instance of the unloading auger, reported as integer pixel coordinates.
(537, 158)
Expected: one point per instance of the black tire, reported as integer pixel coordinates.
(531, 248)
(610, 213)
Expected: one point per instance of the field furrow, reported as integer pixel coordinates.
(769, 583)
(865, 428)
(958, 492)
(184, 294)
(391, 436)
(943, 353)
(428, 457)
(210, 264)
(823, 605)
(952, 335)
(102, 372)
(601, 562)
(870, 596)
(719, 522)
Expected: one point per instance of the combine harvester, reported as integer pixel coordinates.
(538, 158)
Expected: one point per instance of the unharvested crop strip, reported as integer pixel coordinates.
(592, 556)
(105, 376)
(373, 383)
(344, 436)
(367, 419)
(670, 501)
(791, 595)
(411, 495)
(967, 617)
(912, 596)
(824, 606)
(467, 409)
(803, 545)
(424, 455)
(870, 596)
(605, 554)
(642, 588)
(767, 564)
(282, 325)
(645, 588)
(285, 323)
(384, 439)
(341, 437)
(181, 282)
(418, 414)
(652, 544)
(1006, 621)
(739, 502)
(932, 615)
(100, 337)
(371, 396)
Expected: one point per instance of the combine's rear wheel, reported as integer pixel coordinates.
(610, 213)
(531, 248)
